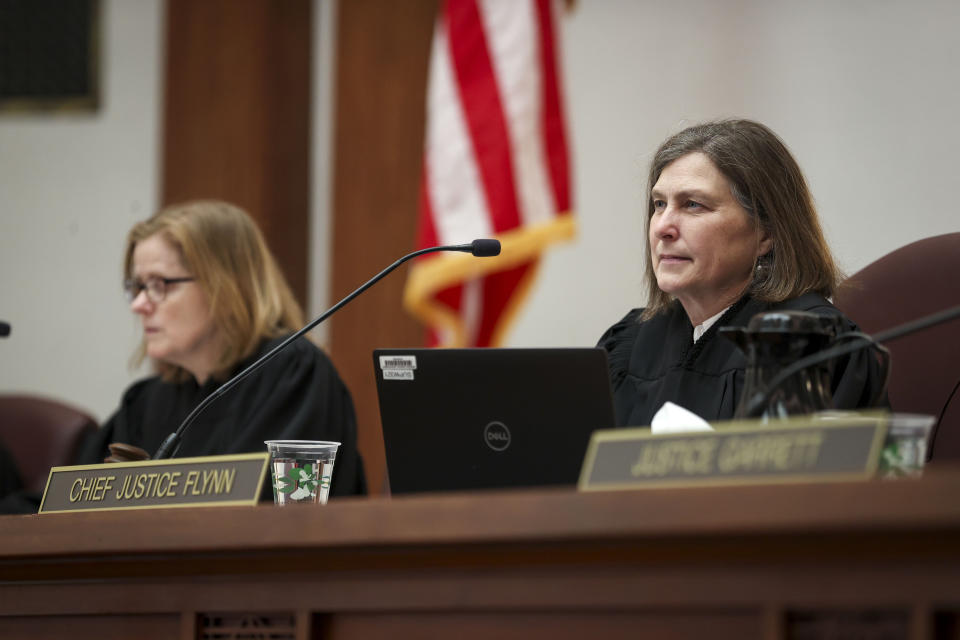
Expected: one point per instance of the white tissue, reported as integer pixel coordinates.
(672, 418)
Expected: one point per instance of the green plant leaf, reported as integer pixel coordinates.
(293, 476)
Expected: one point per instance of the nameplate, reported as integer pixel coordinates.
(737, 452)
(155, 484)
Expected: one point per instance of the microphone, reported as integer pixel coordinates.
(484, 247)
(5, 326)
(757, 403)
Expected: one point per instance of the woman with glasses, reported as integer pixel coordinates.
(212, 300)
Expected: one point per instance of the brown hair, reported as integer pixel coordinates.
(768, 183)
(221, 246)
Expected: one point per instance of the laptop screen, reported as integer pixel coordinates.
(462, 419)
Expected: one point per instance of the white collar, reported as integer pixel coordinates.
(701, 328)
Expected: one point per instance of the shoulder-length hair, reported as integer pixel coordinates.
(768, 184)
(221, 246)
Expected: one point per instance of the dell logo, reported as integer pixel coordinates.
(497, 436)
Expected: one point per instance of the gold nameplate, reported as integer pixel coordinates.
(152, 484)
(737, 452)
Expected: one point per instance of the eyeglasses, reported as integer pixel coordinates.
(156, 287)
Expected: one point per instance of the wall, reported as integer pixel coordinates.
(71, 185)
(864, 92)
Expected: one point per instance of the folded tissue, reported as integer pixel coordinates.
(672, 418)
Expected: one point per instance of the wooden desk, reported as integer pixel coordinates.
(877, 559)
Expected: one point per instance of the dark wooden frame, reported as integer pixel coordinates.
(245, 138)
(68, 102)
(236, 120)
(383, 51)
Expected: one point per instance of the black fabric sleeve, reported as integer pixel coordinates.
(857, 379)
(617, 341)
(299, 396)
(13, 497)
(122, 426)
(9, 474)
(94, 448)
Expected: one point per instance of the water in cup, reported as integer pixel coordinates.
(297, 481)
(301, 470)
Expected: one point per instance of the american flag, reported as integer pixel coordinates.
(495, 164)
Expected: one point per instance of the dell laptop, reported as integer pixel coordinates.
(464, 419)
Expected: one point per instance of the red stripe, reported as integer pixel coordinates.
(555, 140)
(452, 298)
(498, 289)
(427, 232)
(483, 110)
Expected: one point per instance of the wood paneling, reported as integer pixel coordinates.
(507, 625)
(876, 559)
(236, 126)
(382, 55)
(237, 115)
(102, 627)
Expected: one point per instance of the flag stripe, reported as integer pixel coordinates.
(474, 308)
(511, 29)
(501, 288)
(555, 138)
(480, 98)
(427, 231)
(451, 298)
(495, 163)
(453, 183)
(429, 279)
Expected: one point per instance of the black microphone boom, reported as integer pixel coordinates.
(5, 326)
(484, 247)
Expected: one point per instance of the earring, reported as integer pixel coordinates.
(762, 267)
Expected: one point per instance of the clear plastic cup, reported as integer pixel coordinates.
(905, 447)
(301, 470)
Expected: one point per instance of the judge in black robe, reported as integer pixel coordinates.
(10, 481)
(657, 361)
(732, 232)
(297, 395)
(211, 299)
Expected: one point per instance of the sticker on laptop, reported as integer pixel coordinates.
(398, 367)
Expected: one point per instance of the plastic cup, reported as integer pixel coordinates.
(301, 470)
(905, 447)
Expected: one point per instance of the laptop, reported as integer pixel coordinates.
(465, 419)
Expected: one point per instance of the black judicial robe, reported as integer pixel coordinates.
(654, 361)
(295, 396)
(10, 481)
